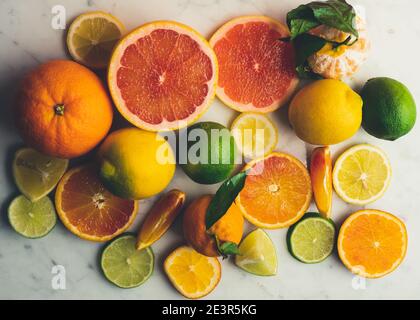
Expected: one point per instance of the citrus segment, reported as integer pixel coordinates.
(92, 37)
(321, 178)
(257, 70)
(192, 274)
(88, 210)
(372, 243)
(277, 191)
(361, 174)
(162, 76)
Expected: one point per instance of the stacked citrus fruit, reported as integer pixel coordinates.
(163, 76)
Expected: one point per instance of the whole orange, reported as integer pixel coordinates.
(63, 109)
(227, 228)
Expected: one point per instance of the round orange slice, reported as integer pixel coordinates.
(88, 210)
(372, 243)
(257, 69)
(192, 274)
(163, 76)
(277, 191)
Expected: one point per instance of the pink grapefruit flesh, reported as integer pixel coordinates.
(256, 69)
(162, 76)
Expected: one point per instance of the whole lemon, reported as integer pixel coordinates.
(136, 164)
(326, 112)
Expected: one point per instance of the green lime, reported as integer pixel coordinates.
(389, 109)
(37, 174)
(210, 154)
(257, 254)
(125, 266)
(311, 240)
(32, 219)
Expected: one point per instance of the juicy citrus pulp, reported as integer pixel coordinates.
(162, 76)
(311, 240)
(88, 210)
(255, 134)
(192, 274)
(32, 219)
(37, 174)
(257, 254)
(125, 266)
(372, 243)
(361, 174)
(160, 218)
(277, 191)
(257, 71)
(92, 37)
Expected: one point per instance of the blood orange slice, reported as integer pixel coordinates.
(257, 70)
(162, 76)
(88, 210)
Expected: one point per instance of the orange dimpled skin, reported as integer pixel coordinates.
(63, 109)
(321, 178)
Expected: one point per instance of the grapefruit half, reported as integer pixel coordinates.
(257, 70)
(162, 76)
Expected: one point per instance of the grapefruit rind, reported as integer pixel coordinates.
(143, 31)
(220, 92)
(357, 269)
(63, 216)
(298, 215)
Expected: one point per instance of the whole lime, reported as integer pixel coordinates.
(389, 110)
(210, 154)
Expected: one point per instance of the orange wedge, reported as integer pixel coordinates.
(321, 178)
(372, 243)
(277, 191)
(192, 274)
(88, 210)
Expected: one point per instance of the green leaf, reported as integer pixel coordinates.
(306, 45)
(226, 248)
(305, 72)
(224, 198)
(301, 20)
(337, 14)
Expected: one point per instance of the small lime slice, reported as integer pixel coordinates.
(257, 254)
(32, 219)
(311, 240)
(125, 266)
(37, 174)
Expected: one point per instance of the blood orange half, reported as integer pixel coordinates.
(257, 70)
(162, 76)
(88, 210)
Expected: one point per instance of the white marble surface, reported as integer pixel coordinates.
(27, 39)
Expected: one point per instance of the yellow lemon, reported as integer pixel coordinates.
(136, 164)
(326, 112)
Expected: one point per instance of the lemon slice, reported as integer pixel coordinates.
(255, 134)
(361, 174)
(92, 37)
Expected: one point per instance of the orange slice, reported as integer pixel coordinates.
(257, 70)
(277, 191)
(162, 76)
(192, 274)
(88, 210)
(372, 243)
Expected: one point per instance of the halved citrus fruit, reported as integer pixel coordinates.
(92, 37)
(257, 70)
(277, 191)
(372, 243)
(88, 210)
(192, 274)
(162, 76)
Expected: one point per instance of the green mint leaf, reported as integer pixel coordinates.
(224, 198)
(301, 20)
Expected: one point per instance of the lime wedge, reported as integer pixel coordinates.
(257, 254)
(311, 240)
(37, 174)
(125, 266)
(32, 219)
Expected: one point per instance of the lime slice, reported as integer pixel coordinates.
(257, 254)
(125, 266)
(311, 240)
(37, 174)
(32, 219)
